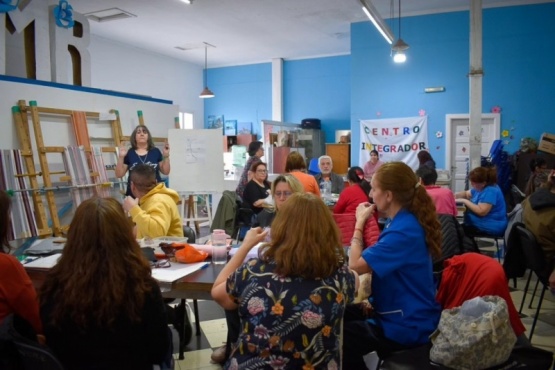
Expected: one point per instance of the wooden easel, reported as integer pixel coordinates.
(21, 117)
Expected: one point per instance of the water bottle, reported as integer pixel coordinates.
(219, 247)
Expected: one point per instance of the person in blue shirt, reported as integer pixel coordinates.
(403, 290)
(486, 211)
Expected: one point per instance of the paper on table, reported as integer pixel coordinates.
(44, 262)
(176, 271)
(253, 253)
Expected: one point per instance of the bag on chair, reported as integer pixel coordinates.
(476, 335)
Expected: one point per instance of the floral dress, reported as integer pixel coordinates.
(288, 323)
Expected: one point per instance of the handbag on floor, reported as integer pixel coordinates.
(476, 335)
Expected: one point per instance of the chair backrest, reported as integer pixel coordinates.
(313, 167)
(17, 338)
(535, 257)
(190, 234)
(451, 239)
(346, 223)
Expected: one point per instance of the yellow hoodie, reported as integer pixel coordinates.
(157, 214)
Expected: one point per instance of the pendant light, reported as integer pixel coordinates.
(399, 47)
(206, 93)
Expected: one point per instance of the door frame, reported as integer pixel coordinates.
(449, 118)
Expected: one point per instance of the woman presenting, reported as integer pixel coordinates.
(142, 151)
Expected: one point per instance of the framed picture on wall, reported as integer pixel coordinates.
(244, 128)
(230, 127)
(215, 122)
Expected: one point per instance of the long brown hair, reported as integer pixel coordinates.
(102, 272)
(399, 178)
(5, 206)
(305, 239)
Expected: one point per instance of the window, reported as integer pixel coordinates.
(185, 120)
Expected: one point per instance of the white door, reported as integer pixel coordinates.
(457, 151)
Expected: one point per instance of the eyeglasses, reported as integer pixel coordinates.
(261, 171)
(285, 194)
(161, 264)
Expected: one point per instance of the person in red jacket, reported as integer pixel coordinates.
(357, 192)
(471, 275)
(17, 294)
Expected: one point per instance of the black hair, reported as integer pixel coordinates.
(253, 147)
(427, 174)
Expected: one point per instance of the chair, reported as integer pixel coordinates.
(346, 224)
(451, 240)
(243, 222)
(481, 234)
(536, 262)
(21, 349)
(313, 167)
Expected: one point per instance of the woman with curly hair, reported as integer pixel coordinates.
(291, 299)
(403, 289)
(99, 305)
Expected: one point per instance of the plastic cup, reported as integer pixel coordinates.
(219, 247)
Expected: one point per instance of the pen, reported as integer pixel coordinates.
(29, 259)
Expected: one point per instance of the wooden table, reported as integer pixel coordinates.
(194, 286)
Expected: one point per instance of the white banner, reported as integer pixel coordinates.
(395, 139)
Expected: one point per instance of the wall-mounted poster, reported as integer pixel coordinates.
(230, 127)
(215, 122)
(244, 128)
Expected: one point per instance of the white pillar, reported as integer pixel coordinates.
(475, 76)
(277, 89)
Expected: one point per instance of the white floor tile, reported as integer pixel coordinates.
(197, 360)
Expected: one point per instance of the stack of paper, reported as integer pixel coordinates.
(176, 271)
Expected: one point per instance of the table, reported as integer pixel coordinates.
(197, 285)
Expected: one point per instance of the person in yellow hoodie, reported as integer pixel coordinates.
(154, 211)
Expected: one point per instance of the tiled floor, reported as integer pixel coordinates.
(214, 330)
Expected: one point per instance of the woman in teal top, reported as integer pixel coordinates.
(403, 289)
(485, 205)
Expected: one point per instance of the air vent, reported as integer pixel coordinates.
(111, 14)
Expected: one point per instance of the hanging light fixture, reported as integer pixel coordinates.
(372, 13)
(399, 47)
(206, 93)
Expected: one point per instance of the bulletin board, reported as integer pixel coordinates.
(196, 161)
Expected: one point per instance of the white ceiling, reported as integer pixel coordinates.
(251, 31)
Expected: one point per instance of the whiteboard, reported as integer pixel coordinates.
(196, 161)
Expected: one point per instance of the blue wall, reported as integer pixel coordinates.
(243, 93)
(518, 53)
(318, 88)
(312, 88)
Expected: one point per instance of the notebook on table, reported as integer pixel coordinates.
(43, 247)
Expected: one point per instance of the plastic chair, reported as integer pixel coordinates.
(535, 261)
(19, 344)
(313, 167)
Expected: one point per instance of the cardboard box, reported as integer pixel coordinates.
(547, 143)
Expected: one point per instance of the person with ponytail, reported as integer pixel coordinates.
(403, 289)
(486, 211)
(357, 192)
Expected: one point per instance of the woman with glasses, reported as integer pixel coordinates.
(257, 189)
(256, 151)
(99, 305)
(282, 188)
(292, 297)
(142, 151)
